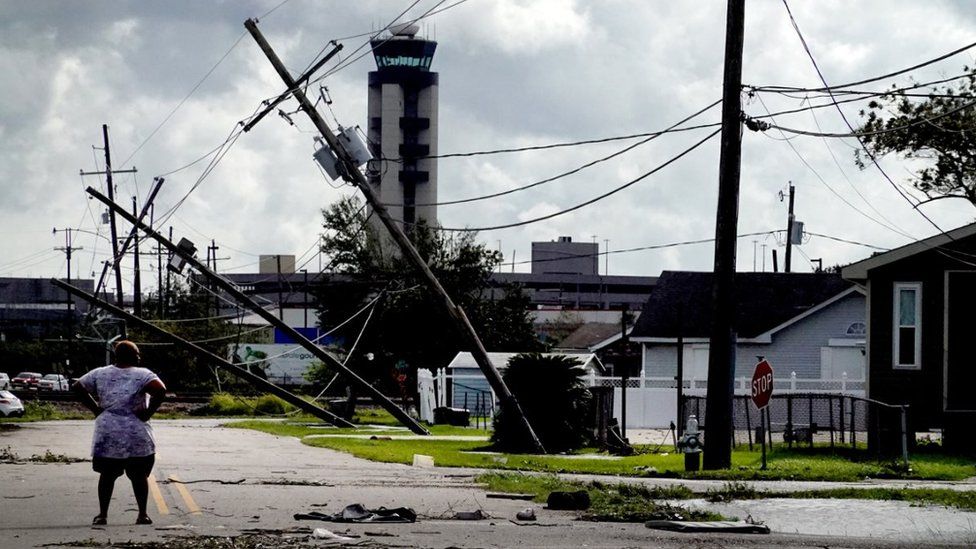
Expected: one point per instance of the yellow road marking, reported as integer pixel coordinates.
(191, 505)
(157, 495)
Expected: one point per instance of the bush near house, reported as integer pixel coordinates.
(554, 398)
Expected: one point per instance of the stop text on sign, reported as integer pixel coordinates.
(762, 384)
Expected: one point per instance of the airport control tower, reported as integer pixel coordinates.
(403, 125)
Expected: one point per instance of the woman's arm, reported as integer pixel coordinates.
(86, 398)
(157, 392)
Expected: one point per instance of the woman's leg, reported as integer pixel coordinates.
(138, 473)
(106, 484)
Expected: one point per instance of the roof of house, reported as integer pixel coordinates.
(588, 335)
(464, 359)
(859, 271)
(682, 302)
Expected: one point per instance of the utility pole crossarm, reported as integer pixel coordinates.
(352, 174)
(231, 289)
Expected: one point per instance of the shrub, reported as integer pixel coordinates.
(554, 398)
(270, 404)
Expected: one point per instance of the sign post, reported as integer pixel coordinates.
(762, 389)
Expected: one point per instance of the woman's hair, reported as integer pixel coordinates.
(126, 352)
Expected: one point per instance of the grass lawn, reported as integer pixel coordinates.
(796, 464)
(622, 500)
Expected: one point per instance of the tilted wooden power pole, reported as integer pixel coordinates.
(352, 174)
(272, 319)
(195, 349)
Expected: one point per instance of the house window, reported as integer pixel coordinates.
(857, 329)
(907, 329)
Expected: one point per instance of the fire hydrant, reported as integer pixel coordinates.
(690, 444)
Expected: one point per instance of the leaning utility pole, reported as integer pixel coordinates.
(352, 174)
(195, 349)
(721, 353)
(237, 294)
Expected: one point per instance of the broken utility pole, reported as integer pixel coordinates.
(272, 319)
(242, 373)
(352, 174)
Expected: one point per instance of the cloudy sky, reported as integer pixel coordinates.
(512, 74)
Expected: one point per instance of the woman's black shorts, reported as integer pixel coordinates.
(131, 466)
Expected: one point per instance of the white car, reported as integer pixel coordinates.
(53, 382)
(10, 406)
(4, 381)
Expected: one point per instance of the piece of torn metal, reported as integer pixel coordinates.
(725, 526)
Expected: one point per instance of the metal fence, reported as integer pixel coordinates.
(809, 419)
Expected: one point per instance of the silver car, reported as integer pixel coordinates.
(10, 406)
(53, 382)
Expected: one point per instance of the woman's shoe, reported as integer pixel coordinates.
(143, 519)
(98, 521)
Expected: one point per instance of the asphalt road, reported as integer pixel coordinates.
(238, 482)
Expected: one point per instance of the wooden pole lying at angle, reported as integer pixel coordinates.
(272, 319)
(242, 373)
(353, 175)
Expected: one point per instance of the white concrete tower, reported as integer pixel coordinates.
(403, 126)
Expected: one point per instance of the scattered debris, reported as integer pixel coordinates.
(379, 534)
(174, 480)
(420, 460)
(569, 501)
(9, 456)
(380, 437)
(358, 513)
(322, 533)
(712, 526)
(471, 515)
(499, 495)
(290, 482)
(526, 514)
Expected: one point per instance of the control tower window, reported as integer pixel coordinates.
(404, 61)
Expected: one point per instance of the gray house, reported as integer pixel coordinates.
(810, 324)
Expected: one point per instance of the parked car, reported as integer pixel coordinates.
(53, 382)
(26, 381)
(10, 406)
(4, 381)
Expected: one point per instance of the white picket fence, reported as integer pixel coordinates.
(651, 401)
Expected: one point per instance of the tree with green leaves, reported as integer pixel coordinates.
(408, 328)
(189, 314)
(552, 392)
(938, 128)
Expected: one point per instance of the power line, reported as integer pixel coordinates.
(655, 134)
(593, 200)
(188, 95)
(828, 88)
(846, 241)
(578, 169)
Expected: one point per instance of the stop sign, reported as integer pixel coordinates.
(762, 384)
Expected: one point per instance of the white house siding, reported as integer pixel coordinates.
(796, 348)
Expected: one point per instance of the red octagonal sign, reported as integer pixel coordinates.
(762, 384)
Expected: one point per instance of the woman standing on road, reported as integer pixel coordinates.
(123, 397)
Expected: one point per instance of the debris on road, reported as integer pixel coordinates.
(499, 495)
(722, 526)
(471, 515)
(526, 514)
(420, 460)
(569, 501)
(322, 533)
(356, 512)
